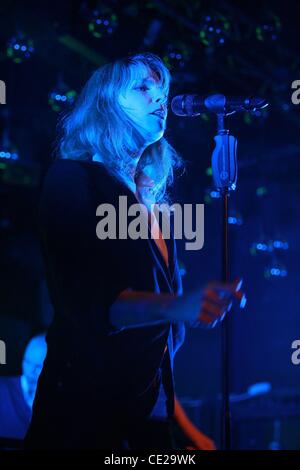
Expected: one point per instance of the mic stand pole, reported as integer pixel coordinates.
(224, 169)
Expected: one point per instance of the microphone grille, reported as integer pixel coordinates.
(183, 105)
(178, 105)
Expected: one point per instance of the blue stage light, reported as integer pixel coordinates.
(280, 245)
(214, 30)
(263, 246)
(235, 219)
(269, 30)
(9, 154)
(60, 97)
(275, 271)
(19, 48)
(176, 56)
(102, 22)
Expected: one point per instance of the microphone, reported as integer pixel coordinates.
(193, 105)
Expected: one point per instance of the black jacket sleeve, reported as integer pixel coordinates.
(77, 262)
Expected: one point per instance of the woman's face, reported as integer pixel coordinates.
(145, 103)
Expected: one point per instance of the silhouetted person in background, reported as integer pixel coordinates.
(17, 392)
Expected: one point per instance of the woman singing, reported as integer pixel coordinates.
(107, 381)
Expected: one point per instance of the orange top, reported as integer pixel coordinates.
(158, 238)
(155, 230)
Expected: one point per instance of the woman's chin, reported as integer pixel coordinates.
(153, 137)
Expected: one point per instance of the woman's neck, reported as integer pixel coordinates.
(130, 180)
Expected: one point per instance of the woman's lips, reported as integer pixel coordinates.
(161, 116)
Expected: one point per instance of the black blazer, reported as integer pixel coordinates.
(123, 368)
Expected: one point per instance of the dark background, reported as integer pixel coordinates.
(235, 48)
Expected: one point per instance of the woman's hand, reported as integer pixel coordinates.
(133, 309)
(210, 306)
(218, 298)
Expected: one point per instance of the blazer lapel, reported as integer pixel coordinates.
(154, 252)
(168, 273)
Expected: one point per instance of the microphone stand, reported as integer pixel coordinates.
(224, 169)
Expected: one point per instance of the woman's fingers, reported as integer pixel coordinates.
(216, 297)
(212, 313)
(220, 290)
(213, 295)
(205, 317)
(217, 300)
(216, 310)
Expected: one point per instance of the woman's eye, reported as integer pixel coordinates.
(143, 88)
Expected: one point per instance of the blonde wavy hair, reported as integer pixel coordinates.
(98, 125)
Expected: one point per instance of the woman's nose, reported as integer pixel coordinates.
(159, 96)
(162, 99)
